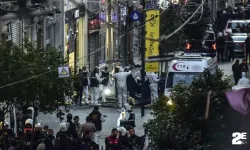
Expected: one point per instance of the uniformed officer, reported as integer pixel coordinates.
(94, 84)
(105, 76)
(85, 84)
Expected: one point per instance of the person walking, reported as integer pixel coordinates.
(236, 71)
(97, 118)
(94, 84)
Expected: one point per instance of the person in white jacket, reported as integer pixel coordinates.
(122, 88)
(243, 80)
(94, 85)
(153, 81)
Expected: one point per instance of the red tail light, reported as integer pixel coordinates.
(188, 46)
(214, 46)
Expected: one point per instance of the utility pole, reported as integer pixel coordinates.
(109, 24)
(143, 57)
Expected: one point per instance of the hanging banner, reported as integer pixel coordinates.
(152, 46)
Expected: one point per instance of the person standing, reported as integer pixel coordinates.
(112, 141)
(220, 43)
(122, 88)
(85, 84)
(236, 71)
(88, 126)
(77, 124)
(247, 47)
(230, 47)
(153, 84)
(71, 127)
(243, 80)
(105, 81)
(244, 66)
(97, 118)
(94, 84)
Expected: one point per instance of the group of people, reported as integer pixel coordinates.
(123, 80)
(72, 135)
(240, 73)
(224, 47)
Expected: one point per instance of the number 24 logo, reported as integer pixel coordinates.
(237, 137)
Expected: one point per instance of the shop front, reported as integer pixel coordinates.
(74, 23)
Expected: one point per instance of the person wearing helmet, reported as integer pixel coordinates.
(28, 126)
(220, 45)
(71, 127)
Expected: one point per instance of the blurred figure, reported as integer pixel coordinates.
(28, 126)
(71, 127)
(134, 142)
(123, 140)
(247, 48)
(94, 84)
(236, 71)
(85, 84)
(243, 80)
(87, 126)
(230, 47)
(97, 118)
(153, 86)
(244, 66)
(220, 46)
(112, 141)
(46, 129)
(105, 81)
(122, 88)
(77, 124)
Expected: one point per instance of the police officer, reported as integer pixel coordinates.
(105, 76)
(94, 85)
(85, 84)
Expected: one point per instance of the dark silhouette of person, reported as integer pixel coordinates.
(236, 71)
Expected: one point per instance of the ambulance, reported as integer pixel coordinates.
(185, 68)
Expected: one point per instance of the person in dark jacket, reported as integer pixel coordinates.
(236, 71)
(71, 127)
(132, 86)
(112, 141)
(247, 47)
(85, 82)
(97, 118)
(105, 76)
(230, 47)
(244, 66)
(220, 43)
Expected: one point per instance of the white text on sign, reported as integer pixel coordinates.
(239, 138)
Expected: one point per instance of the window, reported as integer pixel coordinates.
(232, 25)
(175, 77)
(239, 38)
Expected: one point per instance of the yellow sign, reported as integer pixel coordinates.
(152, 66)
(153, 32)
(72, 62)
(64, 72)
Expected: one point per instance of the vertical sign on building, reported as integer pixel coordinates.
(153, 32)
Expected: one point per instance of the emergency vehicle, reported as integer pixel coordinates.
(185, 68)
